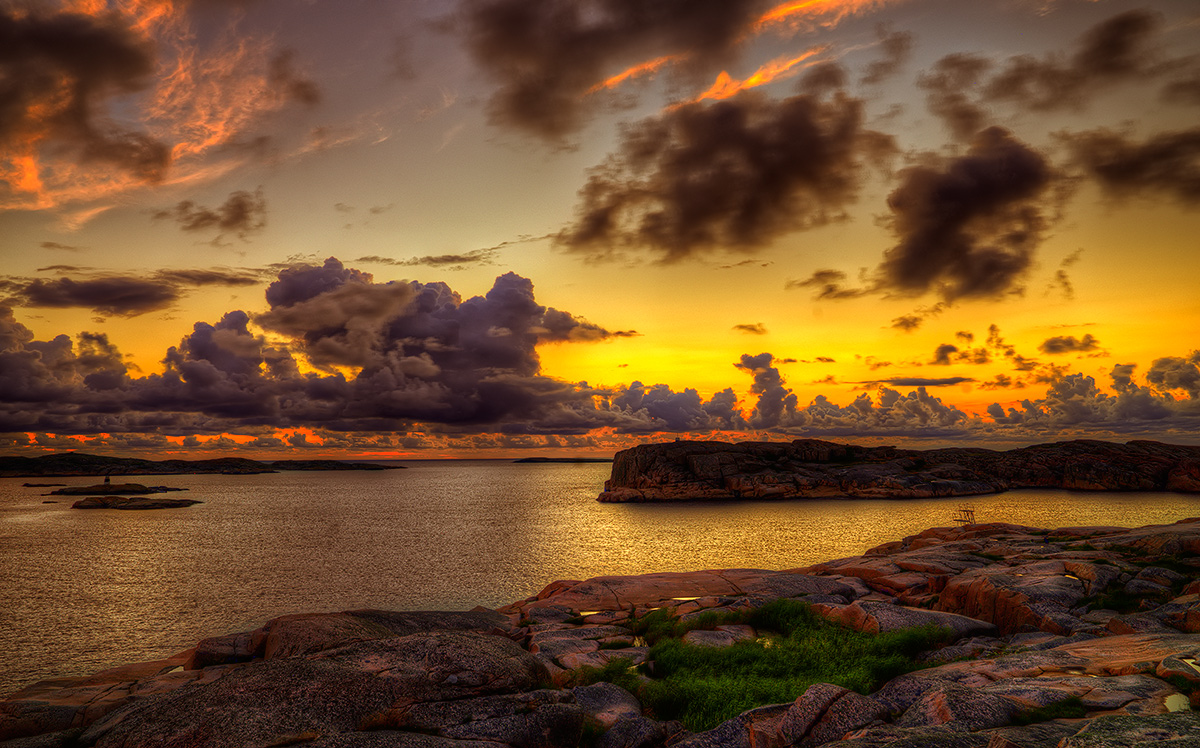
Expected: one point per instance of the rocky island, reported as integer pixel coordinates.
(77, 463)
(983, 636)
(810, 468)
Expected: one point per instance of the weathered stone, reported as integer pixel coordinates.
(607, 703)
(827, 712)
(334, 691)
(1040, 735)
(639, 732)
(952, 703)
(1179, 730)
(875, 617)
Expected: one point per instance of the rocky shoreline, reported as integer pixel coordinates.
(1106, 619)
(810, 468)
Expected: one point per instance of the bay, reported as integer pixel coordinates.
(84, 590)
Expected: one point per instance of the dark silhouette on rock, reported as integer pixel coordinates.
(131, 502)
(809, 468)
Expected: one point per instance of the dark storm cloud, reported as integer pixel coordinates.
(548, 55)
(897, 48)
(243, 213)
(1074, 400)
(1184, 90)
(474, 257)
(755, 329)
(1069, 344)
(921, 381)
(1120, 49)
(1115, 50)
(289, 83)
(829, 284)
(123, 295)
(968, 228)
(1167, 163)
(942, 356)
(947, 87)
(112, 295)
(733, 174)
(211, 277)
(1177, 373)
(560, 327)
(58, 72)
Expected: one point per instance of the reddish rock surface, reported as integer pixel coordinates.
(1036, 616)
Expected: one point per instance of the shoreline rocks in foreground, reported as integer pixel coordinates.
(1105, 617)
(810, 468)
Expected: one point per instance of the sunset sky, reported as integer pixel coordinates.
(408, 228)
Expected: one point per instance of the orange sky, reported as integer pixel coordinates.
(908, 222)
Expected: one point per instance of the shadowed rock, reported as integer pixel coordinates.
(809, 468)
(133, 502)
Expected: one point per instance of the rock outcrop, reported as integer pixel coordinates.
(1104, 618)
(131, 502)
(808, 468)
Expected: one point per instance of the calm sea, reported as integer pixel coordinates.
(84, 590)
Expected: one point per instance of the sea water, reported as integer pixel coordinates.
(85, 590)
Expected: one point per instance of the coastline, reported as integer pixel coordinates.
(1008, 591)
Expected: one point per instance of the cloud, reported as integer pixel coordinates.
(548, 56)
(1061, 279)
(921, 381)
(61, 247)
(897, 48)
(968, 227)
(289, 83)
(734, 174)
(1177, 373)
(755, 329)
(1069, 344)
(474, 257)
(60, 72)
(946, 95)
(1074, 401)
(1116, 50)
(942, 356)
(111, 294)
(830, 284)
(907, 322)
(243, 213)
(1167, 163)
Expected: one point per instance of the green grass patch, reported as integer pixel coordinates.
(1069, 708)
(704, 686)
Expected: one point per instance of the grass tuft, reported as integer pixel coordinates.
(704, 686)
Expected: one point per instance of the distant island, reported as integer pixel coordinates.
(810, 468)
(77, 463)
(565, 459)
